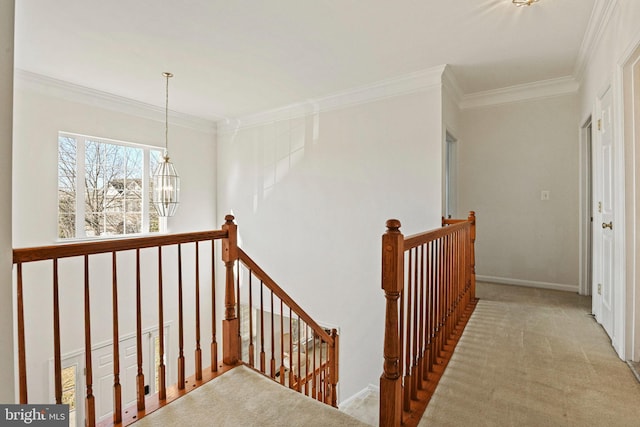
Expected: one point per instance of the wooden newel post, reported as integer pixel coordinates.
(392, 283)
(230, 324)
(472, 220)
(333, 360)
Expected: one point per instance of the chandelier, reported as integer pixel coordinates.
(166, 182)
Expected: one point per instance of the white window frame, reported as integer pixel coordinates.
(80, 231)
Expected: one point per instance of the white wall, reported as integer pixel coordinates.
(311, 197)
(617, 41)
(38, 116)
(508, 154)
(6, 124)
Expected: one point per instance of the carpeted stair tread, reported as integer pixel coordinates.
(242, 397)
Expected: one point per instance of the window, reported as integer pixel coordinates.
(104, 187)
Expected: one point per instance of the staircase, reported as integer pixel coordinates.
(130, 286)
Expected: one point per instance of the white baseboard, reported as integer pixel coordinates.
(529, 283)
(362, 393)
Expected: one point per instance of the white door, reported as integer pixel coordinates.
(103, 379)
(603, 248)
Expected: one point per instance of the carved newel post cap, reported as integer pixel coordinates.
(393, 225)
(229, 218)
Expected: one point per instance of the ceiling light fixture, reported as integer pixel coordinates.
(166, 182)
(521, 3)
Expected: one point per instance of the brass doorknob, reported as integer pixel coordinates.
(609, 226)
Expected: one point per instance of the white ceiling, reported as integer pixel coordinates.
(236, 57)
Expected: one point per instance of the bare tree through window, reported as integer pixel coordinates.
(110, 178)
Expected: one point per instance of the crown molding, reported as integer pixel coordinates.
(71, 92)
(600, 17)
(524, 92)
(396, 86)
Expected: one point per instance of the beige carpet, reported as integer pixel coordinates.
(532, 357)
(529, 357)
(242, 397)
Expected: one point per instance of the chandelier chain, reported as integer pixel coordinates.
(166, 114)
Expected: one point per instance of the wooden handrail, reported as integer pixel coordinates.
(282, 295)
(426, 310)
(311, 351)
(67, 250)
(416, 240)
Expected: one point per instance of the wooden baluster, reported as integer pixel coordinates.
(282, 367)
(450, 280)
(431, 304)
(392, 283)
(421, 322)
(415, 353)
(181, 373)
(321, 380)
(406, 313)
(333, 367)
(457, 252)
(140, 376)
(472, 220)
(314, 378)
(230, 324)
(22, 361)
(447, 287)
(262, 353)
(251, 348)
(117, 388)
(443, 292)
(401, 344)
(273, 343)
(456, 283)
(56, 335)
(90, 405)
(462, 271)
(306, 359)
(198, 353)
(299, 376)
(291, 376)
(437, 296)
(457, 263)
(467, 263)
(162, 370)
(214, 326)
(427, 311)
(238, 309)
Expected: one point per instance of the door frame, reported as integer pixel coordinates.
(585, 152)
(629, 104)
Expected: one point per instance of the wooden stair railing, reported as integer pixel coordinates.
(322, 379)
(280, 340)
(429, 284)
